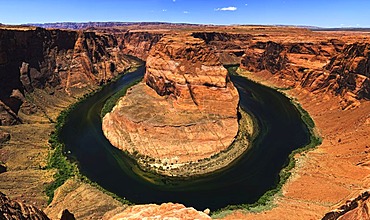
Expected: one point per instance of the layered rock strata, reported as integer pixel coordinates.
(14, 210)
(54, 61)
(327, 67)
(163, 211)
(184, 111)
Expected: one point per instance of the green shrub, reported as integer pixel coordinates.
(111, 102)
(57, 160)
(266, 200)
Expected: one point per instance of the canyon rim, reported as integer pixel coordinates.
(43, 71)
(183, 118)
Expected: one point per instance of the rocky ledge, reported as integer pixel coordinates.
(183, 113)
(163, 211)
(14, 210)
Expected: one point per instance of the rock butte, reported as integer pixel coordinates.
(327, 71)
(185, 109)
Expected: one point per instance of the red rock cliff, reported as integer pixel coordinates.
(187, 112)
(53, 60)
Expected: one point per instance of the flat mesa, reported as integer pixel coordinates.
(181, 115)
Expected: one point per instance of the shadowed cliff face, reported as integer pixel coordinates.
(72, 62)
(321, 67)
(354, 209)
(138, 44)
(18, 211)
(54, 60)
(228, 47)
(26, 62)
(351, 68)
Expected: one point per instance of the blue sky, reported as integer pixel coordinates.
(323, 13)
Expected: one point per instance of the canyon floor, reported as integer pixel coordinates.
(323, 179)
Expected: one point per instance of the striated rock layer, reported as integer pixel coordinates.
(163, 211)
(185, 109)
(10, 209)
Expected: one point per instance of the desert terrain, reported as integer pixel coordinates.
(43, 71)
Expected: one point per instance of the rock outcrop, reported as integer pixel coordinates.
(13, 210)
(4, 137)
(325, 67)
(351, 71)
(163, 211)
(354, 209)
(54, 60)
(138, 44)
(184, 111)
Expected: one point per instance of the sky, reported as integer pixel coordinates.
(321, 13)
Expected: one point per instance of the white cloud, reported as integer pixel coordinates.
(164, 9)
(186, 12)
(174, 0)
(246, 4)
(231, 8)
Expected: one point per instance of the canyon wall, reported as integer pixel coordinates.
(316, 63)
(184, 111)
(324, 67)
(14, 210)
(73, 62)
(36, 61)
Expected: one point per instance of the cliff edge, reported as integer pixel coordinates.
(183, 112)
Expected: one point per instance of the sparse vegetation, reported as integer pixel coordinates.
(64, 168)
(57, 160)
(265, 202)
(111, 102)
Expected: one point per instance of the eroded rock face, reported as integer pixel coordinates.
(138, 44)
(326, 67)
(18, 211)
(185, 69)
(352, 70)
(4, 137)
(55, 60)
(185, 109)
(163, 211)
(357, 208)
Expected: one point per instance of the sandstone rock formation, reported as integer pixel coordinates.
(186, 112)
(13, 210)
(163, 211)
(355, 209)
(54, 60)
(4, 137)
(351, 69)
(82, 200)
(138, 44)
(319, 183)
(316, 67)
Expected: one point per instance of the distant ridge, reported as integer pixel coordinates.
(85, 25)
(111, 24)
(357, 29)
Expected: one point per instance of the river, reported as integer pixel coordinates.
(244, 181)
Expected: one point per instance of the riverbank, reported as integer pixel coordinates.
(254, 174)
(331, 173)
(268, 200)
(248, 130)
(30, 163)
